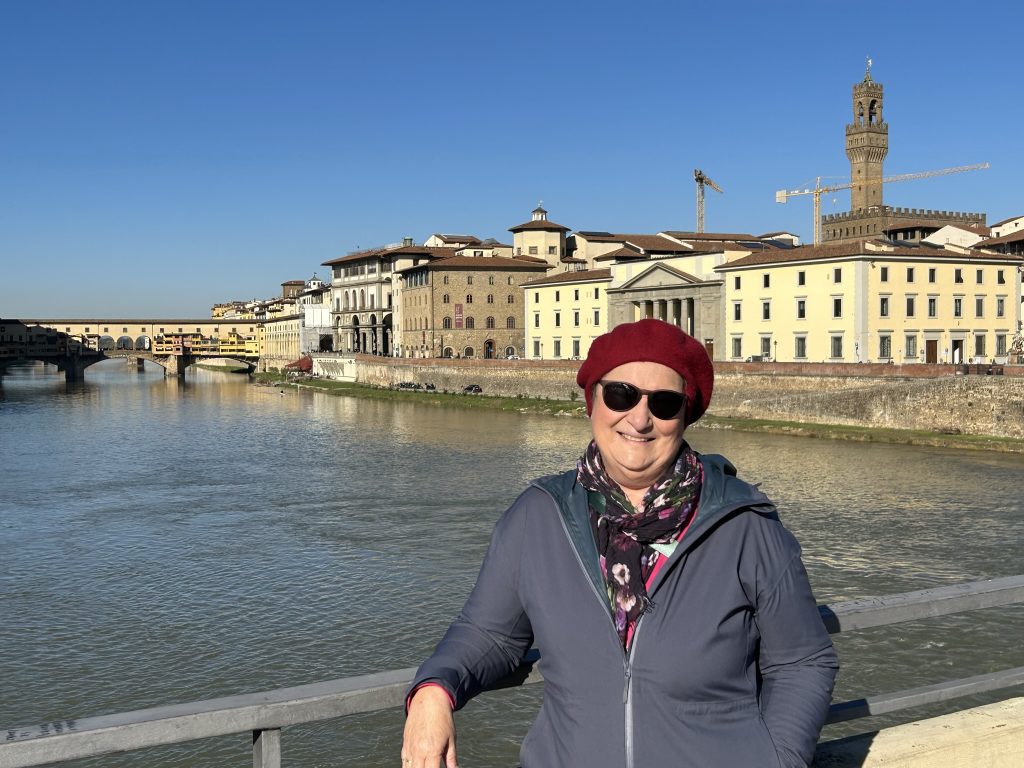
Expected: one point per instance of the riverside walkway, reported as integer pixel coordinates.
(991, 736)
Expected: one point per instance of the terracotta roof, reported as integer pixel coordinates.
(583, 275)
(497, 263)
(873, 248)
(471, 239)
(542, 224)
(1013, 237)
(398, 250)
(683, 235)
(1006, 221)
(620, 253)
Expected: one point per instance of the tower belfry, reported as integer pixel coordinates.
(867, 144)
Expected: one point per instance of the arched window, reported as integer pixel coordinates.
(469, 298)
(468, 352)
(509, 351)
(511, 299)
(446, 323)
(490, 279)
(469, 279)
(490, 298)
(371, 301)
(362, 299)
(470, 324)
(445, 280)
(490, 322)
(510, 323)
(444, 299)
(510, 281)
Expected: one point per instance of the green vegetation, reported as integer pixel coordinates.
(524, 404)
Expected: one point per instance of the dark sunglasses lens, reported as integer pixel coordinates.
(619, 396)
(664, 404)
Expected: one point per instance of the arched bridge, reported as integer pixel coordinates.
(73, 345)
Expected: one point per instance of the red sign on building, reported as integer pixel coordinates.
(458, 315)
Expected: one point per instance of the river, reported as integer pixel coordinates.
(167, 541)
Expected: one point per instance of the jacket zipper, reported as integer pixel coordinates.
(627, 659)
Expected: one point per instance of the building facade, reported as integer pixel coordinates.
(564, 313)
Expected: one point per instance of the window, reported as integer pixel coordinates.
(931, 274)
(837, 275)
(533, 250)
(884, 275)
(552, 250)
(597, 292)
(536, 319)
(558, 348)
(536, 348)
(910, 306)
(979, 345)
(837, 346)
(536, 297)
(883, 306)
(910, 274)
(445, 299)
(979, 276)
(766, 346)
(1000, 343)
(558, 319)
(958, 275)
(736, 282)
(910, 346)
(801, 309)
(979, 306)
(1000, 307)
(469, 279)
(576, 294)
(737, 346)
(800, 348)
(576, 318)
(597, 317)
(933, 306)
(489, 323)
(490, 279)
(958, 307)
(446, 323)
(511, 299)
(885, 346)
(490, 298)
(837, 308)
(470, 323)
(1000, 278)
(576, 348)
(766, 310)
(558, 295)
(510, 281)
(510, 322)
(801, 278)
(767, 281)
(469, 298)
(737, 311)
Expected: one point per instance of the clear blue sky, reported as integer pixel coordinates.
(158, 157)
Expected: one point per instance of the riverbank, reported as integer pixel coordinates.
(576, 409)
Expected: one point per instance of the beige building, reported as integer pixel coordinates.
(871, 301)
(564, 313)
(464, 306)
(540, 238)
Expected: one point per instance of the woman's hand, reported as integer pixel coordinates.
(429, 730)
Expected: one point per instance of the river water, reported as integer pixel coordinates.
(165, 541)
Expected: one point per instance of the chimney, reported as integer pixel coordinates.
(406, 242)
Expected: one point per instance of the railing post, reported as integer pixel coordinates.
(266, 748)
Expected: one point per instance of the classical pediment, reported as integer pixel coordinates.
(660, 276)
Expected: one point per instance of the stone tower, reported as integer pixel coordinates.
(867, 144)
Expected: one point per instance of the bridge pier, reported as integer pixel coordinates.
(176, 365)
(74, 370)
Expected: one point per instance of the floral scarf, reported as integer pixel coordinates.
(624, 535)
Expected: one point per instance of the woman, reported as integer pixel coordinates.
(673, 615)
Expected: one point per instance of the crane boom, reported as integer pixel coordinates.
(701, 178)
(818, 190)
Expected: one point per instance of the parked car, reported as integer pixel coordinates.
(512, 357)
(473, 389)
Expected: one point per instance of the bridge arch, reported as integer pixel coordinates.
(106, 342)
(125, 342)
(143, 344)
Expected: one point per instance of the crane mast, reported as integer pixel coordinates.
(702, 179)
(818, 190)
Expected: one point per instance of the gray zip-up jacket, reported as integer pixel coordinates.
(730, 667)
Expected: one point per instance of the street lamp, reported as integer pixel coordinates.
(776, 357)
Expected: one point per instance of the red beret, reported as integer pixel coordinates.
(652, 341)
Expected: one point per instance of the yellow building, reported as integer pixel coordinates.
(539, 238)
(565, 312)
(871, 301)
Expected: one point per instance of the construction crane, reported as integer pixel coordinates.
(701, 179)
(784, 194)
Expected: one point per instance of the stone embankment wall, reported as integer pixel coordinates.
(932, 398)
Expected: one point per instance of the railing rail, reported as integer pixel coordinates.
(266, 713)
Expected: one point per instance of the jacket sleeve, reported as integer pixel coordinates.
(797, 662)
(492, 632)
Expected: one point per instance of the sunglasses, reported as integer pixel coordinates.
(663, 404)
